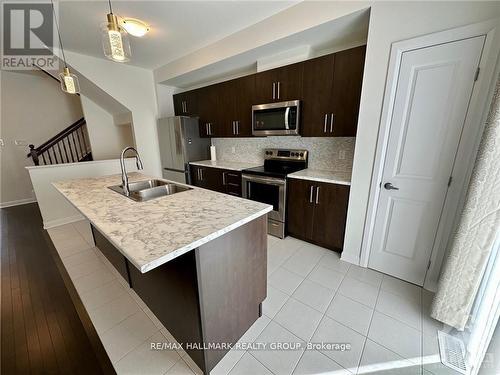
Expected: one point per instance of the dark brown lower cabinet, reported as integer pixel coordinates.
(207, 296)
(317, 212)
(216, 179)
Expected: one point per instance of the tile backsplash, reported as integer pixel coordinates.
(330, 154)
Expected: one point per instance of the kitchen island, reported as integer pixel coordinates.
(197, 258)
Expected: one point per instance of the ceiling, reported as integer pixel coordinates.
(338, 34)
(177, 28)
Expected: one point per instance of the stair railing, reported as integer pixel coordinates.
(68, 146)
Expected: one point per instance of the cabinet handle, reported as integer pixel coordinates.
(223, 178)
(279, 84)
(311, 194)
(317, 194)
(238, 127)
(326, 120)
(209, 128)
(274, 90)
(331, 123)
(201, 174)
(234, 131)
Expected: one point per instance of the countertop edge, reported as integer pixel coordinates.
(166, 258)
(176, 253)
(320, 179)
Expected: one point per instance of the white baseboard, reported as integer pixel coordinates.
(65, 220)
(17, 202)
(350, 258)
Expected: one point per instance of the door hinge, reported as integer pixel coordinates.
(429, 264)
(449, 180)
(477, 74)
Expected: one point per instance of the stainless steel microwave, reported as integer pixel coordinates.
(276, 118)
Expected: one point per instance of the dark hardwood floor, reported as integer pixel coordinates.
(44, 326)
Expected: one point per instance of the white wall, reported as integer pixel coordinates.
(107, 139)
(55, 209)
(33, 109)
(134, 88)
(391, 22)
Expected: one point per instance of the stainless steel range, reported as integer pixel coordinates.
(267, 183)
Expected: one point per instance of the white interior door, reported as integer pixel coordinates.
(432, 96)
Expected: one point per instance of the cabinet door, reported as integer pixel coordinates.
(227, 95)
(185, 104)
(347, 82)
(208, 111)
(289, 84)
(317, 103)
(300, 208)
(213, 180)
(243, 92)
(178, 104)
(196, 178)
(265, 87)
(330, 212)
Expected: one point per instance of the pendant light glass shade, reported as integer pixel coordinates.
(115, 40)
(69, 82)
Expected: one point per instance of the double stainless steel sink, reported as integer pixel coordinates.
(141, 191)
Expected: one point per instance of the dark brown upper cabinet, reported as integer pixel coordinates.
(331, 94)
(210, 110)
(186, 103)
(347, 82)
(278, 85)
(235, 106)
(328, 86)
(317, 102)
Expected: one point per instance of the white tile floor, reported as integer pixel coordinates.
(312, 297)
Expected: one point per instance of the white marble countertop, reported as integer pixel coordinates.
(231, 165)
(154, 232)
(341, 178)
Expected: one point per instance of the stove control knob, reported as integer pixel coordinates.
(301, 154)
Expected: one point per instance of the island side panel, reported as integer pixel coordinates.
(232, 277)
(171, 292)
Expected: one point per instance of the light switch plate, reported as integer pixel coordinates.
(20, 142)
(341, 154)
(2, 143)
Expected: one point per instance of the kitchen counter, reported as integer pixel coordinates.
(154, 232)
(230, 165)
(341, 178)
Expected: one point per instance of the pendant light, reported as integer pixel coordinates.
(115, 40)
(69, 81)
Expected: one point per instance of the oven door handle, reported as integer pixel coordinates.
(264, 180)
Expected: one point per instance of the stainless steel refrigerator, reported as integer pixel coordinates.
(180, 143)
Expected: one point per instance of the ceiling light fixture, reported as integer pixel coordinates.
(135, 27)
(69, 81)
(115, 40)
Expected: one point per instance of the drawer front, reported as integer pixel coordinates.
(232, 182)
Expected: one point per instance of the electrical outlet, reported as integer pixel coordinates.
(2, 143)
(20, 142)
(341, 155)
(233, 150)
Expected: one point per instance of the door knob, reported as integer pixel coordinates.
(389, 186)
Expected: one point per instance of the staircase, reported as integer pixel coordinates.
(71, 145)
